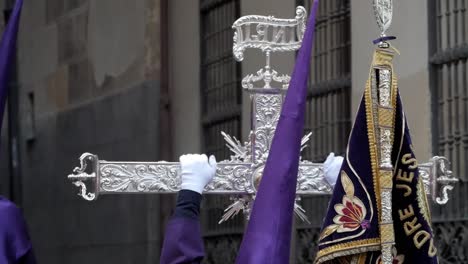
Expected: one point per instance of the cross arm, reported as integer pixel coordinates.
(96, 176)
(438, 179)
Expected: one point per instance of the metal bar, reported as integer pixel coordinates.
(116, 177)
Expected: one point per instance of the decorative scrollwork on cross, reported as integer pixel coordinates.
(269, 34)
(444, 182)
(80, 177)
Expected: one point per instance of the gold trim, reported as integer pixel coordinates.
(349, 248)
(384, 57)
(386, 117)
(386, 179)
(387, 233)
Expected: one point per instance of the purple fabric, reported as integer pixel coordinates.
(182, 242)
(268, 235)
(188, 204)
(7, 53)
(15, 245)
(382, 39)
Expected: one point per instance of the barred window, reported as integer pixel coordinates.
(221, 111)
(448, 31)
(329, 101)
(220, 75)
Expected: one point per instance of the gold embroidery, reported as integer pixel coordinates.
(403, 176)
(383, 57)
(348, 185)
(432, 249)
(406, 187)
(411, 226)
(387, 233)
(350, 214)
(418, 242)
(406, 213)
(386, 117)
(409, 159)
(386, 179)
(349, 248)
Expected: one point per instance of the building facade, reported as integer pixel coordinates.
(89, 80)
(154, 79)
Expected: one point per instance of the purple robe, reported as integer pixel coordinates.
(183, 243)
(15, 245)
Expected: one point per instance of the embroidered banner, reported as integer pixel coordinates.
(356, 227)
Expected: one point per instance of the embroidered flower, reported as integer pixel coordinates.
(397, 259)
(350, 214)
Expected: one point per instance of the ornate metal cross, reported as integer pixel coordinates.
(239, 176)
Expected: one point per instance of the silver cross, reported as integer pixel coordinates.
(240, 175)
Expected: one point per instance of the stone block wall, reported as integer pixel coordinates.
(89, 80)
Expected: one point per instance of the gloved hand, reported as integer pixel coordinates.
(332, 167)
(197, 171)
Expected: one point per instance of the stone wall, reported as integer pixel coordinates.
(89, 80)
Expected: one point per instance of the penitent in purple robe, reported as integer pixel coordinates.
(15, 245)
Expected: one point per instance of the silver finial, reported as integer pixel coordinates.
(383, 10)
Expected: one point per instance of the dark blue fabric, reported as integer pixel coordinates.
(417, 199)
(188, 204)
(183, 243)
(382, 39)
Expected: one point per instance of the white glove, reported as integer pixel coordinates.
(331, 168)
(197, 171)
